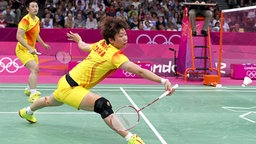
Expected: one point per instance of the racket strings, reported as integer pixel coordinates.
(63, 57)
(125, 118)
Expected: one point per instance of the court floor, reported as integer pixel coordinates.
(192, 115)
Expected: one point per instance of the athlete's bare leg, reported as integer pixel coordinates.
(34, 69)
(45, 102)
(88, 105)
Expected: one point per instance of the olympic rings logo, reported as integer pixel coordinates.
(11, 66)
(153, 41)
(251, 74)
(128, 74)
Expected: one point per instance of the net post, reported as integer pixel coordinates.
(220, 43)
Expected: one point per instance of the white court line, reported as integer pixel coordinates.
(56, 113)
(138, 89)
(243, 117)
(238, 109)
(145, 88)
(145, 118)
(248, 110)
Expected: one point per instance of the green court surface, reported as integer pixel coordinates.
(192, 115)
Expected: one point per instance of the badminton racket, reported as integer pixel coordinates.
(61, 56)
(127, 117)
(38, 53)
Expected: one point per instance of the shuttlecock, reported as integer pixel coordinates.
(246, 81)
(218, 86)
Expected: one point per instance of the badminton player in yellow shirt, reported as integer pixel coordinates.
(105, 56)
(27, 35)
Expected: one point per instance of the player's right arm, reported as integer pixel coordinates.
(147, 74)
(21, 40)
(82, 45)
(135, 69)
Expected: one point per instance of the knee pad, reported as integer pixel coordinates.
(103, 107)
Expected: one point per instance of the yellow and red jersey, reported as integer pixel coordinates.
(102, 61)
(31, 28)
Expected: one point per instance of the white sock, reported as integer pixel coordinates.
(128, 136)
(33, 91)
(29, 111)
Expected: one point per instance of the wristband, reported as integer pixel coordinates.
(163, 81)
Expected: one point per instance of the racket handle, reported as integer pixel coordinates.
(175, 86)
(167, 92)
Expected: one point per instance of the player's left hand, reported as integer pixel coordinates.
(74, 36)
(46, 46)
